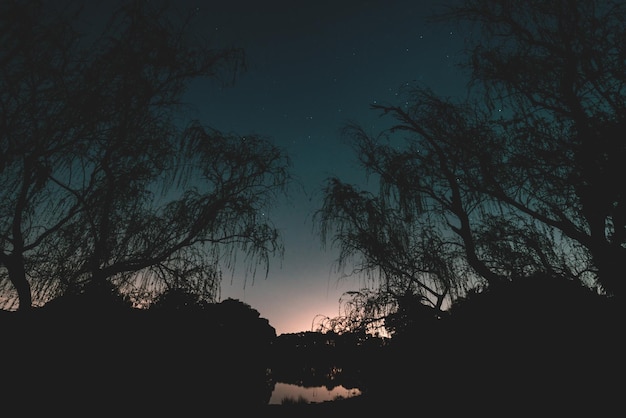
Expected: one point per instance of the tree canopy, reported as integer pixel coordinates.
(522, 175)
(103, 177)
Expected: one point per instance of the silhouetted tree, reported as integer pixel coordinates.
(521, 176)
(178, 299)
(545, 328)
(556, 70)
(101, 179)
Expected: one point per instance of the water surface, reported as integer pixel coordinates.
(310, 394)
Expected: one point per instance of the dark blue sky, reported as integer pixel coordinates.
(313, 67)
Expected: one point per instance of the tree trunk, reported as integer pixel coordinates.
(14, 264)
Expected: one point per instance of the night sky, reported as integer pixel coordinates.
(312, 67)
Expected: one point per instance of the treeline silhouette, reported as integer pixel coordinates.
(503, 347)
(92, 354)
(313, 359)
(539, 343)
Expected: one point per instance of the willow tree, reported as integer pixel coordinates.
(103, 180)
(521, 176)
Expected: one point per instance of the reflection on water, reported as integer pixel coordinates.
(310, 394)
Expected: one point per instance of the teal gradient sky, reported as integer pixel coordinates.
(312, 68)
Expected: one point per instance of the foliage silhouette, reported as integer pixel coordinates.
(545, 329)
(95, 297)
(101, 177)
(502, 213)
(178, 299)
(539, 343)
(140, 361)
(521, 176)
